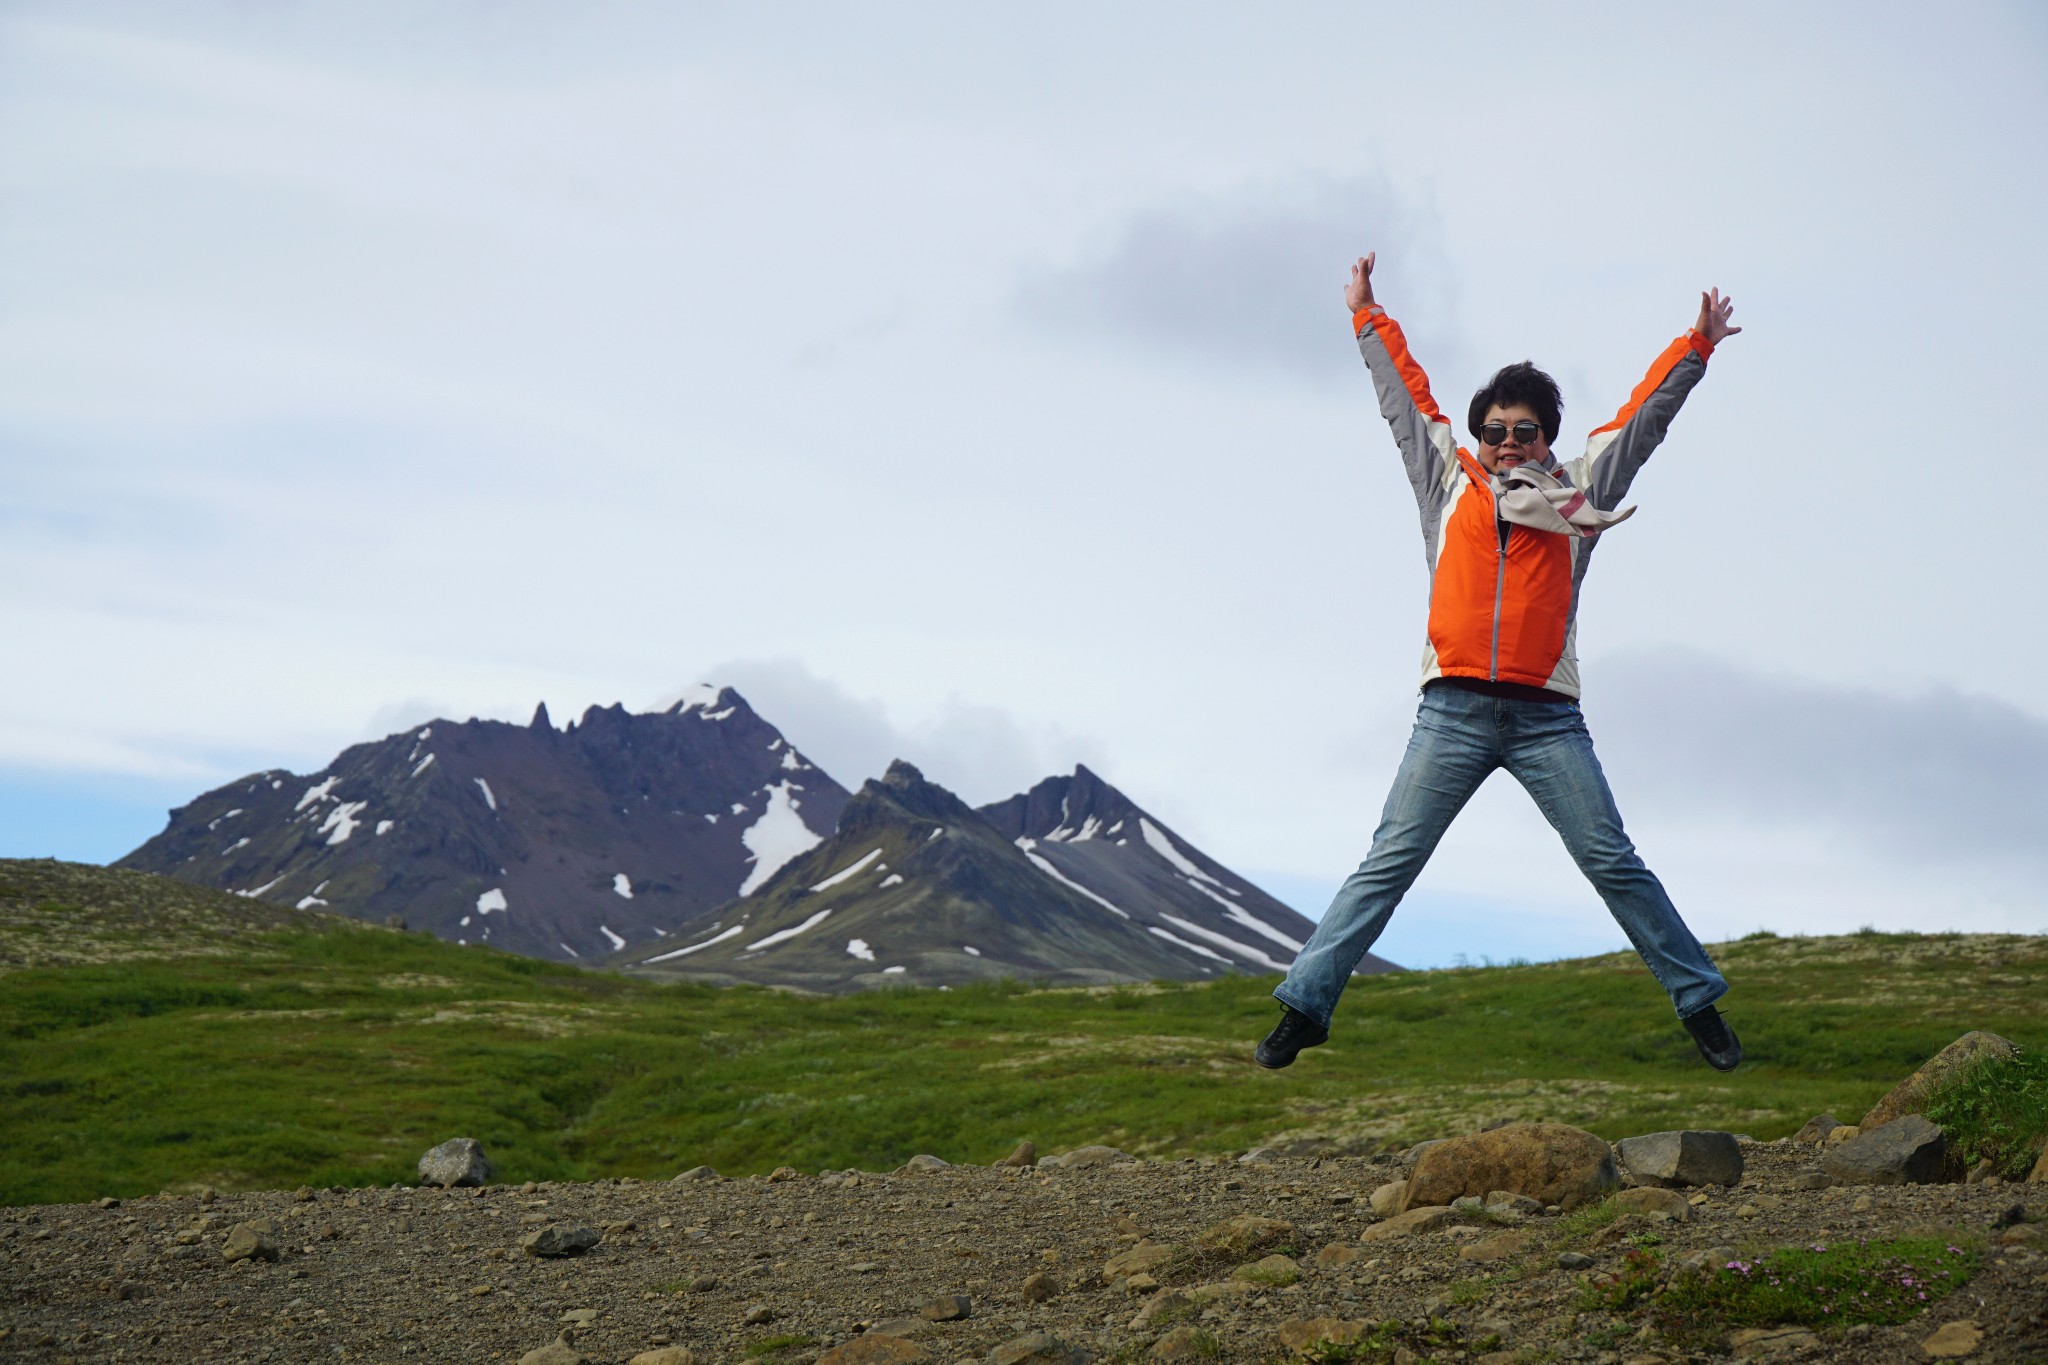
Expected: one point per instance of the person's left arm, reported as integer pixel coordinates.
(1615, 452)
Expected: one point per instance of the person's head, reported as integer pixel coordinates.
(1524, 408)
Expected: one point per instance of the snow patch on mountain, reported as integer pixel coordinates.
(777, 837)
(858, 947)
(1038, 861)
(342, 821)
(1244, 951)
(785, 935)
(493, 899)
(485, 787)
(317, 792)
(849, 872)
(622, 885)
(733, 932)
(617, 942)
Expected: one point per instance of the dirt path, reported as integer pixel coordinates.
(427, 1275)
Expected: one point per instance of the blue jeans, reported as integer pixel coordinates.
(1460, 738)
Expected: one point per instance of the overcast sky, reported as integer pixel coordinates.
(971, 384)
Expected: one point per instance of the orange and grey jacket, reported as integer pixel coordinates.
(1504, 599)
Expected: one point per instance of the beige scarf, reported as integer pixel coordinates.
(1528, 496)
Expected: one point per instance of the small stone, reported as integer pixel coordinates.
(458, 1161)
(946, 1308)
(1140, 1259)
(1813, 1180)
(864, 1267)
(1386, 1201)
(1409, 1223)
(559, 1239)
(304, 1194)
(1337, 1254)
(703, 1284)
(621, 1227)
(1753, 1342)
(2039, 1175)
(1039, 1287)
(1269, 1271)
(694, 1174)
(1864, 1204)
(207, 1194)
(1848, 1132)
(2023, 1236)
(1304, 1335)
(1257, 1156)
(254, 1240)
(924, 1163)
(1169, 1304)
(758, 1314)
(908, 1328)
(1953, 1340)
(1182, 1343)
(874, 1349)
(1654, 1200)
(1245, 1233)
(1574, 1260)
(1039, 1348)
(579, 1317)
(1499, 1247)
(108, 1202)
(1684, 1157)
(1507, 1201)
(1140, 1284)
(665, 1355)
(1025, 1155)
(782, 1174)
(1817, 1129)
(556, 1352)
(1343, 1198)
(1081, 1157)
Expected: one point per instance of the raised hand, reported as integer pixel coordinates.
(1713, 319)
(1358, 294)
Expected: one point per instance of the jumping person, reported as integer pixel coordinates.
(1508, 532)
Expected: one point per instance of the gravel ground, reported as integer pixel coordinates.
(430, 1275)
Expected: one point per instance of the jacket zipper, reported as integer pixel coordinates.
(1500, 582)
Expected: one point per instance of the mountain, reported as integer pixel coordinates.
(1087, 834)
(918, 888)
(562, 844)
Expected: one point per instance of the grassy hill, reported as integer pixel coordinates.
(155, 1034)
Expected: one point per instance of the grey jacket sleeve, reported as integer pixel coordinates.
(1617, 451)
(1420, 430)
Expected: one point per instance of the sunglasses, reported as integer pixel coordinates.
(1495, 433)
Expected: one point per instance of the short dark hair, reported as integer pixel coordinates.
(1521, 383)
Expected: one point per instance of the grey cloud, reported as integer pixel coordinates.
(1940, 777)
(1254, 278)
(981, 753)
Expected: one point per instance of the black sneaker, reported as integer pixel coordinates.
(1717, 1041)
(1294, 1032)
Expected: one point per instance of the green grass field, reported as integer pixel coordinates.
(173, 1037)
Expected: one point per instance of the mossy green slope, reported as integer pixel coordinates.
(161, 1040)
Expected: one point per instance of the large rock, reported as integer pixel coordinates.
(1907, 1151)
(556, 1352)
(1686, 1157)
(1553, 1163)
(2039, 1175)
(1386, 1200)
(458, 1161)
(1962, 1056)
(1026, 1154)
(665, 1355)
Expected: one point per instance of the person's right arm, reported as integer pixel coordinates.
(1427, 441)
